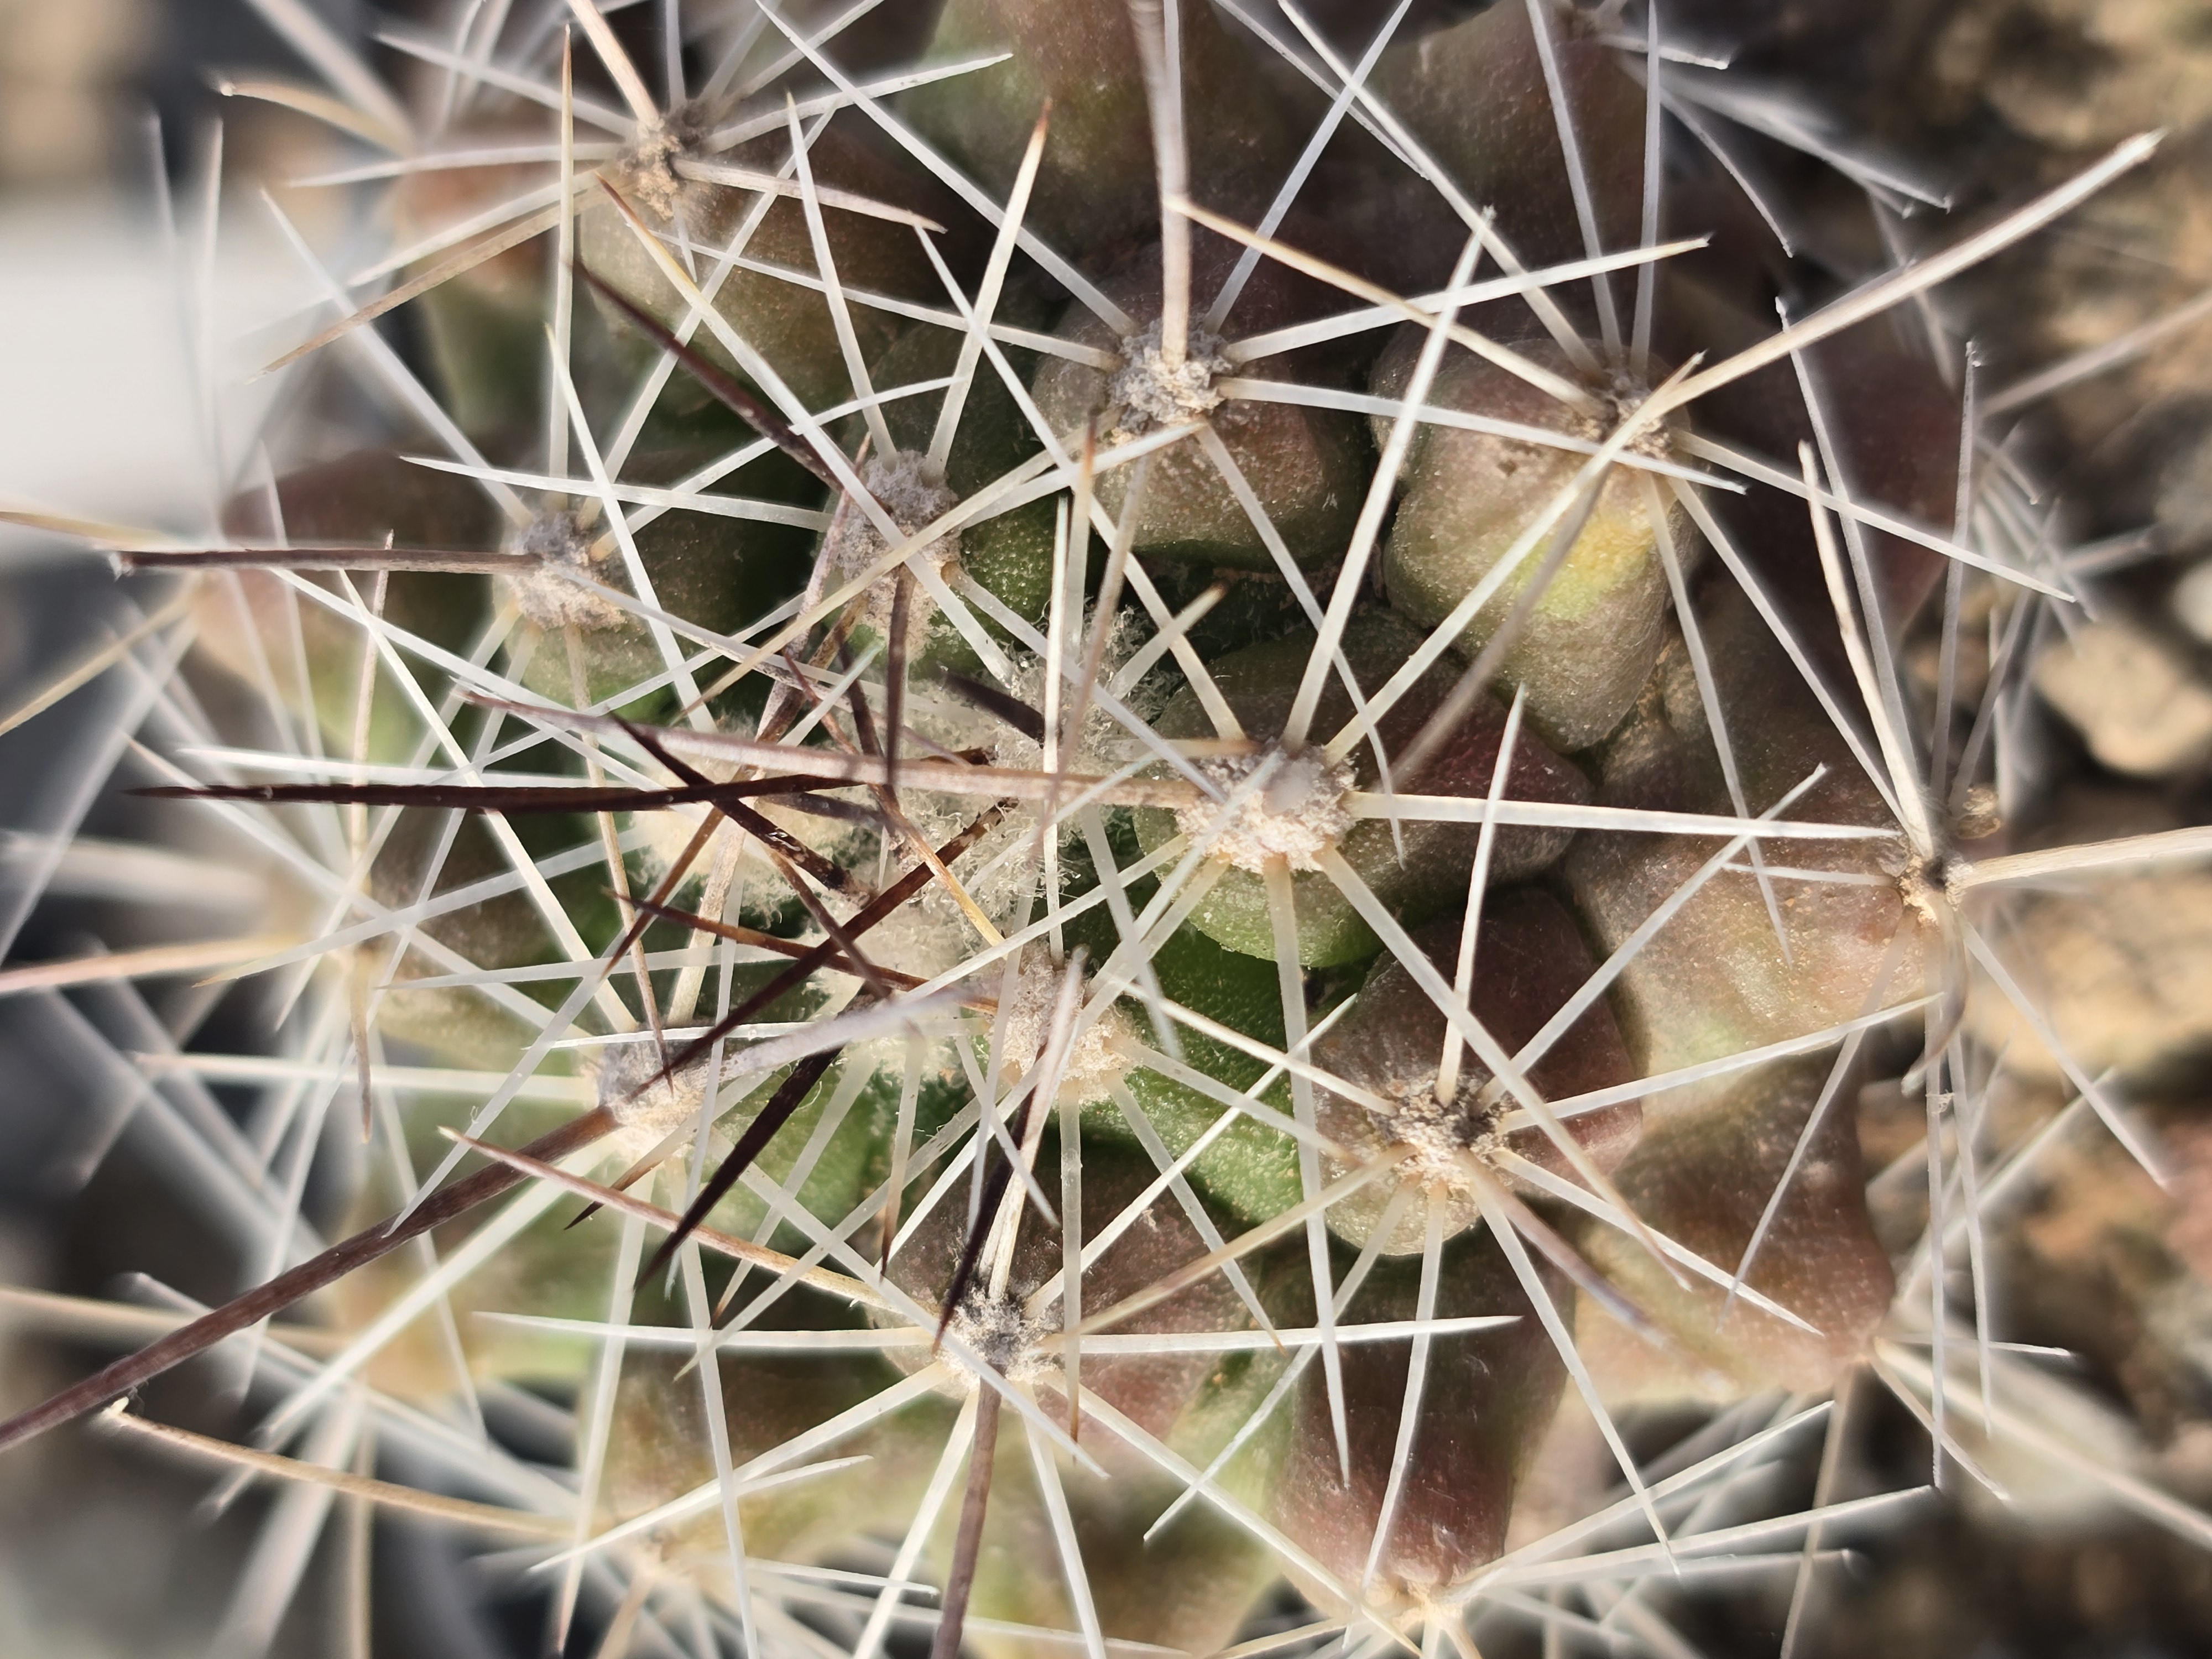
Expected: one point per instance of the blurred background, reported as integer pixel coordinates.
(108, 113)
(96, 389)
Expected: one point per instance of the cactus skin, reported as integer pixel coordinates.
(1097, 185)
(1307, 466)
(1895, 428)
(1715, 980)
(1475, 95)
(1487, 1395)
(661, 1446)
(718, 573)
(1218, 1570)
(1153, 1392)
(791, 327)
(1595, 634)
(486, 336)
(1189, 1589)
(1704, 1177)
(1252, 1170)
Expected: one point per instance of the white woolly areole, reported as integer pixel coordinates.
(1438, 1138)
(1439, 1134)
(543, 594)
(646, 168)
(644, 1109)
(904, 486)
(1297, 814)
(1146, 392)
(1096, 1060)
(1009, 1341)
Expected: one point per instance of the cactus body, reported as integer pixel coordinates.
(1038, 955)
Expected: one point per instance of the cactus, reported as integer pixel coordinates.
(1207, 838)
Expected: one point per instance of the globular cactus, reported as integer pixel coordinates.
(1208, 783)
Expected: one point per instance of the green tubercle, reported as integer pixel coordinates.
(1096, 185)
(1585, 647)
(1307, 466)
